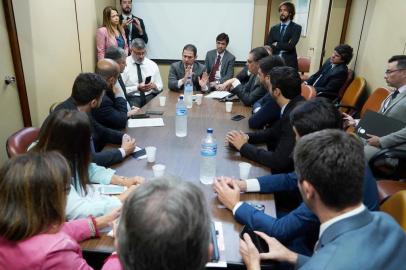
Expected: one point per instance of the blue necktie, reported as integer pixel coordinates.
(283, 26)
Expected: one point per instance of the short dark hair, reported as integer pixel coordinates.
(115, 53)
(267, 63)
(190, 47)
(290, 7)
(287, 80)
(164, 222)
(401, 59)
(34, 190)
(88, 86)
(138, 43)
(345, 51)
(314, 115)
(333, 162)
(223, 36)
(258, 53)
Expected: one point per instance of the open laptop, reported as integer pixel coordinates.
(377, 124)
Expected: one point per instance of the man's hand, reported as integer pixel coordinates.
(188, 73)
(373, 140)
(146, 87)
(204, 79)
(137, 24)
(133, 111)
(128, 145)
(249, 253)
(227, 193)
(240, 183)
(277, 251)
(226, 86)
(237, 138)
(348, 120)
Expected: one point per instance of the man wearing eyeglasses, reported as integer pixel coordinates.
(393, 106)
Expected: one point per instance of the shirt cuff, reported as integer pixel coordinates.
(253, 185)
(122, 152)
(236, 83)
(236, 207)
(180, 83)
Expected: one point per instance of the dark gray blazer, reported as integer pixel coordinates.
(368, 240)
(177, 72)
(250, 92)
(227, 64)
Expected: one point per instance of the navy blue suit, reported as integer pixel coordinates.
(299, 222)
(267, 112)
(112, 112)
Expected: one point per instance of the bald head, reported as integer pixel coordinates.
(109, 70)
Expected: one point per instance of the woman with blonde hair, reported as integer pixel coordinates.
(111, 33)
(33, 231)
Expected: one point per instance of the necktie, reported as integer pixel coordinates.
(322, 74)
(121, 82)
(215, 69)
(390, 99)
(142, 94)
(283, 26)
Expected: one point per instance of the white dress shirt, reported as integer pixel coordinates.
(148, 68)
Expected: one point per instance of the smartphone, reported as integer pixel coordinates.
(147, 80)
(237, 117)
(155, 112)
(257, 206)
(259, 243)
(112, 189)
(215, 256)
(138, 116)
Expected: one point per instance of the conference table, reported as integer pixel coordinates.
(181, 156)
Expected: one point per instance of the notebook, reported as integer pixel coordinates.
(377, 124)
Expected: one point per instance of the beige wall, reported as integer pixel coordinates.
(383, 36)
(335, 26)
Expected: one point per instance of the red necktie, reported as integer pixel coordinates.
(214, 69)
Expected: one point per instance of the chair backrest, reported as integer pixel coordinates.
(19, 142)
(307, 91)
(350, 77)
(353, 92)
(303, 64)
(396, 207)
(375, 100)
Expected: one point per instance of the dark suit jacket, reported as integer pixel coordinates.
(267, 113)
(227, 64)
(243, 76)
(250, 92)
(332, 79)
(301, 221)
(112, 112)
(280, 141)
(135, 33)
(177, 72)
(286, 43)
(101, 136)
(368, 240)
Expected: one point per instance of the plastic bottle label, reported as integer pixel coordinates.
(208, 150)
(181, 111)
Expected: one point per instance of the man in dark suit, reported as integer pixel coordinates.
(333, 74)
(220, 62)
(330, 167)
(299, 228)
(284, 36)
(133, 26)
(284, 85)
(188, 66)
(87, 92)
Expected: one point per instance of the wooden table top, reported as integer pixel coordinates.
(182, 157)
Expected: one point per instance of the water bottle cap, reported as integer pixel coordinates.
(210, 130)
(181, 97)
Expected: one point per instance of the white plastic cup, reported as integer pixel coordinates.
(162, 101)
(199, 98)
(229, 106)
(151, 153)
(159, 170)
(244, 170)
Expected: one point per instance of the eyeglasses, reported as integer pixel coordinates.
(387, 72)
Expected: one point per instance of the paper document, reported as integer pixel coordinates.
(217, 94)
(146, 122)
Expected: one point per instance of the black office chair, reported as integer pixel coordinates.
(389, 164)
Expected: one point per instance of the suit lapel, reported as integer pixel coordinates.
(398, 99)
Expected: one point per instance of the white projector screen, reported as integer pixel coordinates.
(170, 25)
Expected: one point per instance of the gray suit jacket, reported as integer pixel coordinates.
(397, 110)
(368, 240)
(227, 64)
(177, 72)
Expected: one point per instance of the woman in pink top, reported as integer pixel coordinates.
(33, 234)
(111, 34)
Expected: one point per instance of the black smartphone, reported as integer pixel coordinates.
(138, 116)
(259, 243)
(155, 112)
(237, 117)
(147, 80)
(139, 153)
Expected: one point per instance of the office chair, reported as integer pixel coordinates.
(303, 67)
(396, 207)
(19, 142)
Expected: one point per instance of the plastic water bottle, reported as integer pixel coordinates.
(188, 92)
(208, 152)
(181, 118)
